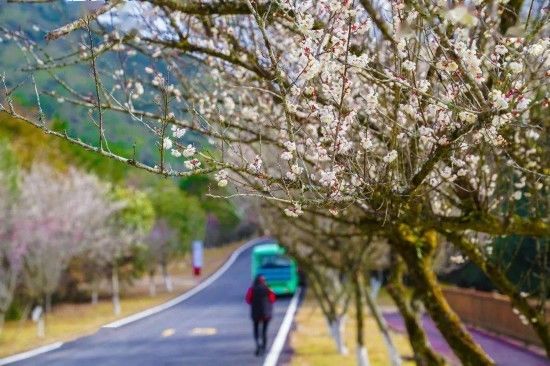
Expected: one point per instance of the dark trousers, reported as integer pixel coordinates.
(260, 323)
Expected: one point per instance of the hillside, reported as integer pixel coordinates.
(34, 20)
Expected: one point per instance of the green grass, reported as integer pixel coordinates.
(313, 345)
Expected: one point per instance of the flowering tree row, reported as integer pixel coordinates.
(413, 120)
(48, 219)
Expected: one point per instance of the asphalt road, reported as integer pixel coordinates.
(210, 328)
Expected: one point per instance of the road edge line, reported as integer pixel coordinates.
(284, 329)
(28, 354)
(186, 295)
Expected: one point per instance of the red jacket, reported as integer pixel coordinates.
(248, 297)
(261, 299)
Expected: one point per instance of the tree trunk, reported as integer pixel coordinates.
(116, 290)
(167, 278)
(47, 303)
(2, 320)
(152, 286)
(417, 254)
(335, 321)
(362, 354)
(95, 296)
(503, 284)
(337, 327)
(394, 356)
(40, 328)
(95, 291)
(424, 355)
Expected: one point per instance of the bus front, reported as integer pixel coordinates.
(279, 270)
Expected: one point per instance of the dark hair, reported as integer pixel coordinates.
(259, 279)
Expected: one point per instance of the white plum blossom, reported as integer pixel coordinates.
(294, 211)
(501, 49)
(361, 61)
(175, 153)
(515, 67)
(467, 117)
(424, 85)
(221, 178)
(167, 143)
(291, 176)
(537, 49)
(256, 165)
(178, 132)
(192, 164)
(390, 156)
(286, 155)
(461, 15)
(409, 65)
(498, 99)
(523, 103)
(449, 66)
(189, 151)
(290, 146)
(296, 169)
(327, 178)
(457, 259)
(138, 88)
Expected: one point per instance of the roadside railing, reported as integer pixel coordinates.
(492, 312)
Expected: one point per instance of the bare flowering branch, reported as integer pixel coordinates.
(82, 22)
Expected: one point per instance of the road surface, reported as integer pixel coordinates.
(210, 328)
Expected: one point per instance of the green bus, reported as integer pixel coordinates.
(278, 269)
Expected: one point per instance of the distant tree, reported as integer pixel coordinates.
(159, 247)
(181, 211)
(125, 231)
(52, 219)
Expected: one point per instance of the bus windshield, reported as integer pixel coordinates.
(274, 261)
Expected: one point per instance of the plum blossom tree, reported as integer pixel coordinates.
(336, 260)
(52, 219)
(425, 118)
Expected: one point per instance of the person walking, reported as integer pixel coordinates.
(261, 299)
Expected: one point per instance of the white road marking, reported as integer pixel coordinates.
(31, 353)
(278, 344)
(201, 286)
(203, 331)
(168, 332)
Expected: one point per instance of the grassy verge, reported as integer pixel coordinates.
(313, 345)
(69, 321)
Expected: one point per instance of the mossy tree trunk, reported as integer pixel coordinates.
(424, 355)
(417, 253)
